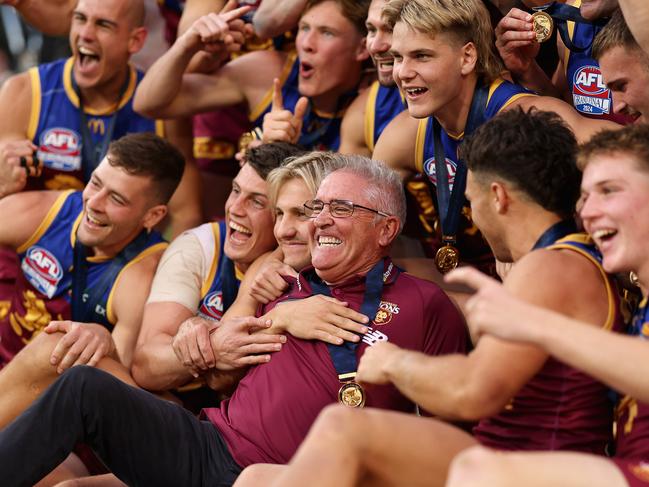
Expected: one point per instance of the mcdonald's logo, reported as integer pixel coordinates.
(96, 125)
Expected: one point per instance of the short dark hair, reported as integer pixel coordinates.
(615, 33)
(266, 157)
(533, 150)
(632, 140)
(146, 154)
(353, 10)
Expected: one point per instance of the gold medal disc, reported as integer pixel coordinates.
(543, 26)
(245, 140)
(352, 395)
(447, 258)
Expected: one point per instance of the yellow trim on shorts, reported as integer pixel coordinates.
(35, 111)
(584, 238)
(46, 222)
(370, 115)
(420, 144)
(159, 247)
(207, 283)
(268, 97)
(74, 99)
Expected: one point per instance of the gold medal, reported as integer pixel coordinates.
(447, 258)
(633, 278)
(244, 141)
(352, 395)
(543, 26)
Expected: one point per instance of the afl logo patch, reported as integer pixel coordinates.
(42, 269)
(60, 148)
(212, 306)
(590, 94)
(429, 169)
(385, 313)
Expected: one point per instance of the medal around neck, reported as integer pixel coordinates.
(543, 26)
(447, 258)
(352, 395)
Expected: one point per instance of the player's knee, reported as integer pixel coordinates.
(35, 357)
(259, 474)
(335, 417)
(469, 468)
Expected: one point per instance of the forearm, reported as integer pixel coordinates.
(536, 80)
(156, 367)
(636, 15)
(610, 357)
(274, 18)
(440, 384)
(162, 84)
(52, 17)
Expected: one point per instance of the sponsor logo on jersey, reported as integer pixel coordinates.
(385, 312)
(372, 337)
(451, 166)
(212, 306)
(42, 269)
(589, 93)
(60, 149)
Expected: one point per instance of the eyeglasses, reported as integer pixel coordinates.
(337, 208)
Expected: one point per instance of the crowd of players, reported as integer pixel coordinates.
(431, 267)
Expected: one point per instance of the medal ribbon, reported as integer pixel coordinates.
(83, 309)
(563, 13)
(555, 232)
(449, 203)
(344, 356)
(229, 284)
(93, 154)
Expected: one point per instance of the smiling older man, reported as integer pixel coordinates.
(357, 213)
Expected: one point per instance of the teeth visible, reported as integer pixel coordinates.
(329, 241)
(87, 52)
(93, 220)
(239, 228)
(386, 64)
(599, 234)
(415, 91)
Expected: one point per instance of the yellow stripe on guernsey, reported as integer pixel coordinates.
(74, 99)
(35, 112)
(160, 128)
(110, 313)
(585, 239)
(268, 97)
(46, 222)
(370, 115)
(216, 230)
(571, 33)
(511, 100)
(419, 144)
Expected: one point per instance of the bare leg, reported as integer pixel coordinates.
(374, 447)
(106, 480)
(70, 468)
(259, 474)
(25, 378)
(481, 467)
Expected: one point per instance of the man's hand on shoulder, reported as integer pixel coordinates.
(269, 283)
(82, 344)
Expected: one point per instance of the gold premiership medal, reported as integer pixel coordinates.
(543, 26)
(352, 395)
(447, 258)
(245, 140)
(633, 278)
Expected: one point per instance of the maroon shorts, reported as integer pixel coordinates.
(636, 472)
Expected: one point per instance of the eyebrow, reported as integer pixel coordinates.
(103, 20)
(111, 191)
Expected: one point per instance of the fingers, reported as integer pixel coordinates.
(278, 99)
(300, 109)
(470, 277)
(56, 326)
(230, 13)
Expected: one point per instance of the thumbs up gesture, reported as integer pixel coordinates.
(280, 124)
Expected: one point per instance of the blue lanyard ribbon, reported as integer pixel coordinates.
(449, 203)
(344, 356)
(555, 232)
(229, 285)
(563, 13)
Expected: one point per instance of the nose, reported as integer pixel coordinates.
(307, 41)
(619, 103)
(323, 218)
(285, 228)
(402, 70)
(96, 201)
(380, 43)
(589, 208)
(236, 204)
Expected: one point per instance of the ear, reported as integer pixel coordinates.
(500, 196)
(361, 51)
(469, 58)
(153, 216)
(136, 39)
(389, 230)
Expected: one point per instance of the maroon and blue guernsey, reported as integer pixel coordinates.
(276, 403)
